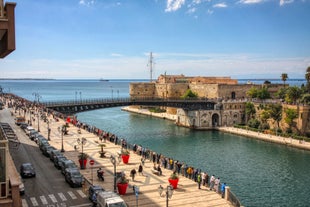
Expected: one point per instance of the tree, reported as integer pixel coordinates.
(189, 94)
(307, 76)
(291, 114)
(263, 93)
(284, 77)
(252, 92)
(305, 99)
(281, 93)
(275, 112)
(293, 94)
(249, 110)
(264, 116)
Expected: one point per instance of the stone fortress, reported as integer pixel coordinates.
(229, 98)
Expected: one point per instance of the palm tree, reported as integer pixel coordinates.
(307, 76)
(284, 77)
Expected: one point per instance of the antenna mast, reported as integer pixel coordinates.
(151, 66)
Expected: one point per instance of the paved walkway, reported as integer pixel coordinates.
(187, 193)
(268, 137)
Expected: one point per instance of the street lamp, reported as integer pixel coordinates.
(82, 142)
(48, 130)
(38, 122)
(62, 130)
(30, 121)
(168, 192)
(113, 161)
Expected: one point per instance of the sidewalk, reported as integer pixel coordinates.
(268, 137)
(187, 193)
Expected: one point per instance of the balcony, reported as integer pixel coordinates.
(7, 28)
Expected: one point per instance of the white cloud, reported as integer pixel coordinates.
(191, 10)
(250, 1)
(174, 5)
(220, 5)
(124, 67)
(86, 2)
(282, 2)
(210, 11)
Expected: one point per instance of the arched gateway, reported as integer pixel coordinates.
(215, 120)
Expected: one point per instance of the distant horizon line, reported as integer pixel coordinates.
(144, 79)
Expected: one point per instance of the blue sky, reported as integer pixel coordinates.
(112, 39)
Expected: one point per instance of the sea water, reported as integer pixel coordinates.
(259, 173)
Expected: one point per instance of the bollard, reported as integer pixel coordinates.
(227, 192)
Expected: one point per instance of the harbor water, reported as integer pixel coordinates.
(259, 173)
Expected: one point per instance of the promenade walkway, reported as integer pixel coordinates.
(187, 193)
(268, 137)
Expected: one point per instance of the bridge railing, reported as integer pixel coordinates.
(123, 100)
(86, 101)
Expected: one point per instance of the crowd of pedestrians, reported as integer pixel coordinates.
(202, 178)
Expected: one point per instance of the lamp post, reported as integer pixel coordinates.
(113, 161)
(82, 142)
(168, 192)
(30, 121)
(62, 130)
(48, 130)
(38, 122)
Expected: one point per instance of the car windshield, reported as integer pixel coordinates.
(28, 167)
(120, 204)
(76, 174)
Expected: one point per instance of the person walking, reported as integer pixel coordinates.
(203, 178)
(199, 180)
(133, 173)
(140, 170)
(223, 190)
(217, 184)
(212, 180)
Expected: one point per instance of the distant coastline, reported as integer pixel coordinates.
(27, 79)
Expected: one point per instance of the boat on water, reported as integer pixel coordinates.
(101, 79)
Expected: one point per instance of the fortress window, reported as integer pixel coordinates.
(233, 95)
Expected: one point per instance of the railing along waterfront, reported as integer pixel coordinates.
(233, 199)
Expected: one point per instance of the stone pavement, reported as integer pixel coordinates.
(268, 137)
(187, 193)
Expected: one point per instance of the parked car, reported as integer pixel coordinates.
(40, 138)
(110, 199)
(67, 164)
(43, 145)
(19, 120)
(29, 129)
(93, 190)
(54, 153)
(23, 126)
(27, 170)
(58, 159)
(48, 150)
(33, 134)
(74, 177)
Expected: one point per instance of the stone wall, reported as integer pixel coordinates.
(303, 120)
(170, 90)
(142, 90)
(205, 90)
(224, 114)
